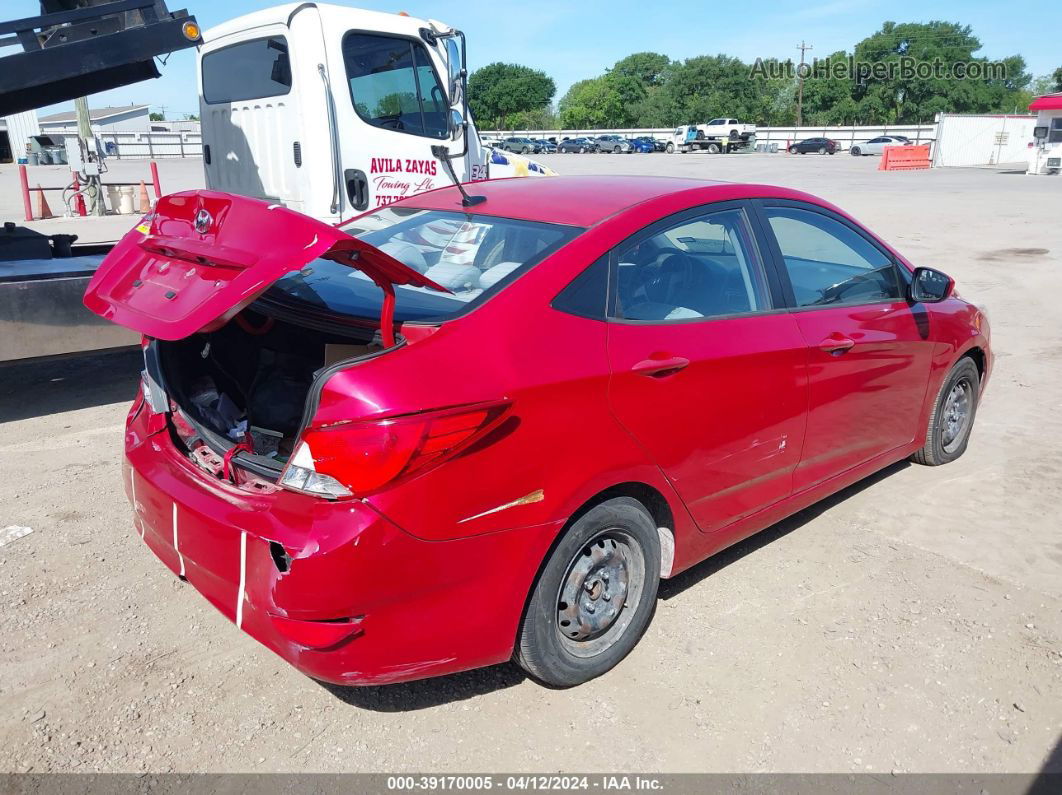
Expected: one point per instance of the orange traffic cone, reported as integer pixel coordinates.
(145, 202)
(43, 210)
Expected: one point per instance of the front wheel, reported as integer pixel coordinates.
(670, 149)
(822, 150)
(855, 151)
(595, 595)
(793, 150)
(616, 150)
(953, 415)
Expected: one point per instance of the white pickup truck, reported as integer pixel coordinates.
(718, 135)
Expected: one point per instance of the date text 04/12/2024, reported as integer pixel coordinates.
(523, 783)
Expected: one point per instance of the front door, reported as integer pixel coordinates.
(868, 349)
(706, 375)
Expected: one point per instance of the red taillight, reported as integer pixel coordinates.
(362, 457)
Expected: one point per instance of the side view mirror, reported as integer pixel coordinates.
(930, 286)
(457, 124)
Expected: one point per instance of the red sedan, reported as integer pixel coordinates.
(446, 435)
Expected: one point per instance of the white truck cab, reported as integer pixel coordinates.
(332, 111)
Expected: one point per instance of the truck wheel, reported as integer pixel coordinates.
(594, 597)
(670, 148)
(855, 151)
(713, 149)
(793, 150)
(953, 415)
(733, 135)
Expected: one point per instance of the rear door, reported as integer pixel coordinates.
(249, 106)
(706, 373)
(868, 349)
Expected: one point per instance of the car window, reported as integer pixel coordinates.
(248, 70)
(828, 262)
(587, 294)
(700, 268)
(471, 256)
(393, 85)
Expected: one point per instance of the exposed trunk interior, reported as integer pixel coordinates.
(249, 381)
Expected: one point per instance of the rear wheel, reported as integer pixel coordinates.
(713, 149)
(953, 415)
(595, 596)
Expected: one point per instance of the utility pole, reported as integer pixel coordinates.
(90, 163)
(803, 47)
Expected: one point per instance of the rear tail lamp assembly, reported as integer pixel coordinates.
(358, 458)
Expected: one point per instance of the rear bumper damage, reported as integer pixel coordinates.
(333, 587)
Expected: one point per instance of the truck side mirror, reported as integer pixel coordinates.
(1040, 133)
(457, 124)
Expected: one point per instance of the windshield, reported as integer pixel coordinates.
(472, 256)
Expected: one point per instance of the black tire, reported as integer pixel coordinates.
(617, 538)
(793, 150)
(670, 148)
(822, 150)
(855, 151)
(582, 150)
(952, 418)
(714, 148)
(616, 150)
(733, 135)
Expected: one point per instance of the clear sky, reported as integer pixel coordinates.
(574, 39)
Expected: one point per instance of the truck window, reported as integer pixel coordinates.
(248, 70)
(393, 84)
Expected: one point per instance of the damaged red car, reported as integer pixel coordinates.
(448, 434)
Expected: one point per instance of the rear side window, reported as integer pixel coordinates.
(828, 262)
(700, 268)
(248, 70)
(393, 85)
(587, 295)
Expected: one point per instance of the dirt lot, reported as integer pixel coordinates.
(912, 623)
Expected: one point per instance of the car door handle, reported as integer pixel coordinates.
(836, 344)
(658, 368)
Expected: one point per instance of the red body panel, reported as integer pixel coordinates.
(430, 574)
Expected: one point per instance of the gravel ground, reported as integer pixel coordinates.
(911, 623)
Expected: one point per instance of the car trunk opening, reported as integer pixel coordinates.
(247, 387)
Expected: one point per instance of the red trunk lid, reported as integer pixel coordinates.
(202, 256)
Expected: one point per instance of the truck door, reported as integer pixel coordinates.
(249, 98)
(391, 108)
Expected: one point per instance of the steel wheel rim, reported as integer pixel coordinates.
(600, 592)
(955, 415)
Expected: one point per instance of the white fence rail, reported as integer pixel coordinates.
(781, 136)
(144, 145)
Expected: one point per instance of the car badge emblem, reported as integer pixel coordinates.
(203, 222)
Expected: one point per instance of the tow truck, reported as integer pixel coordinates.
(717, 136)
(327, 110)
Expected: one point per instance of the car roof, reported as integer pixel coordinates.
(579, 200)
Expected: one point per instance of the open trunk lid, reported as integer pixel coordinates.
(202, 256)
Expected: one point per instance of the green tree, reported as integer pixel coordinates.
(156, 117)
(1057, 78)
(499, 90)
(648, 68)
(591, 104)
(896, 97)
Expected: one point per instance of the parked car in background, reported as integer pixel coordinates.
(614, 144)
(642, 144)
(344, 461)
(824, 146)
(576, 145)
(521, 146)
(876, 146)
(545, 146)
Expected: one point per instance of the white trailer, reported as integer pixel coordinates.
(332, 111)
